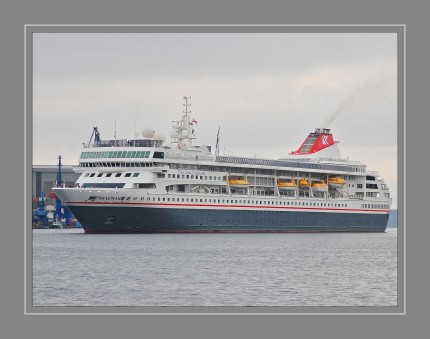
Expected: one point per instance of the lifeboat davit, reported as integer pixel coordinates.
(336, 181)
(238, 181)
(286, 185)
(319, 186)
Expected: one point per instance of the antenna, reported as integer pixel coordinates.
(135, 122)
(114, 135)
(217, 142)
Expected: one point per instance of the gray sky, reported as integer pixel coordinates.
(266, 91)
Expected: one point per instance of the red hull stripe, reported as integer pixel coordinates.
(223, 206)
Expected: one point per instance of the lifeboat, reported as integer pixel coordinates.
(336, 181)
(238, 181)
(319, 186)
(304, 183)
(286, 185)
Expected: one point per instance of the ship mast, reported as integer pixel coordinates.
(186, 104)
(217, 142)
(183, 130)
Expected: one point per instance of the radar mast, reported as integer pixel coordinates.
(183, 130)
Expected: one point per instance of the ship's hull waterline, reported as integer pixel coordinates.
(122, 219)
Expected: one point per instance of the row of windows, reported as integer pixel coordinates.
(286, 163)
(248, 202)
(116, 164)
(375, 206)
(197, 177)
(359, 186)
(107, 175)
(115, 154)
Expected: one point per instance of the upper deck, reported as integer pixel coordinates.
(318, 153)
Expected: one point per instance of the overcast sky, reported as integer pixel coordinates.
(267, 91)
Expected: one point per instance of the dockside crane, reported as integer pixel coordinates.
(61, 211)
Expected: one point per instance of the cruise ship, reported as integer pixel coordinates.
(144, 185)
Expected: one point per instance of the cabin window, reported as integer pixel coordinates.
(159, 155)
(117, 175)
(127, 175)
(135, 174)
(108, 175)
(146, 185)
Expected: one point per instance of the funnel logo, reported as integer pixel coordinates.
(324, 139)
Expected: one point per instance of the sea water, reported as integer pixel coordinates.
(71, 268)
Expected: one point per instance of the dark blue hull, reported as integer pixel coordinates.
(102, 219)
